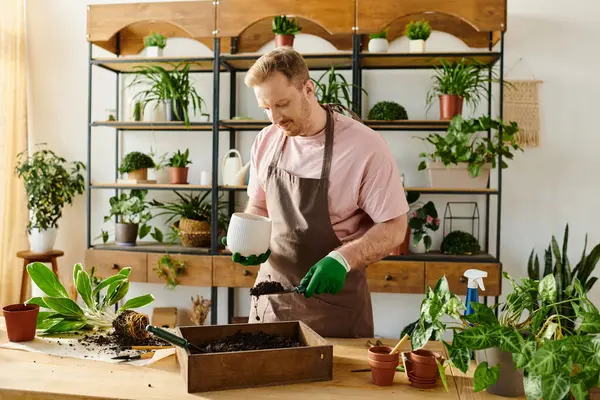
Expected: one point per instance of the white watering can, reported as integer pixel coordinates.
(234, 173)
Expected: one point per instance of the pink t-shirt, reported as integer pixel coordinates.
(364, 182)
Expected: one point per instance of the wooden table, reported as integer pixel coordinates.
(27, 375)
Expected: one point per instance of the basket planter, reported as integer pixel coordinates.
(456, 176)
(193, 233)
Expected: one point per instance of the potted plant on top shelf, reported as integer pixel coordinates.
(378, 42)
(155, 43)
(285, 30)
(462, 159)
(417, 33)
(179, 167)
(455, 83)
(135, 165)
(50, 183)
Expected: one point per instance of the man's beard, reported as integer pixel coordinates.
(301, 124)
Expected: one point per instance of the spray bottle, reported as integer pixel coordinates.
(475, 279)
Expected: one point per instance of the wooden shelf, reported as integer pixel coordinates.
(244, 124)
(422, 60)
(315, 61)
(164, 126)
(430, 190)
(153, 247)
(131, 64)
(437, 256)
(408, 125)
(164, 186)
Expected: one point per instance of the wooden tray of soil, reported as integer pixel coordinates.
(252, 355)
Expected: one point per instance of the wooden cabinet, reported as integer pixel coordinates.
(198, 269)
(109, 263)
(226, 273)
(396, 277)
(458, 283)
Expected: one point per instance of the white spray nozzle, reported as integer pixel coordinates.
(475, 277)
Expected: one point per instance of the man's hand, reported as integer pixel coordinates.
(326, 276)
(250, 260)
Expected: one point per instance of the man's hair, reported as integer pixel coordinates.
(283, 59)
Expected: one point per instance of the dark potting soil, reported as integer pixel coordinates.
(266, 287)
(245, 341)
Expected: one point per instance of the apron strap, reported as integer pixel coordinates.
(328, 152)
(340, 108)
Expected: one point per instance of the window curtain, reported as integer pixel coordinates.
(13, 139)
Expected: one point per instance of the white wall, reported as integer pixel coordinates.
(543, 189)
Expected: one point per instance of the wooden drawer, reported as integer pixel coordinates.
(396, 277)
(197, 273)
(226, 273)
(110, 262)
(458, 283)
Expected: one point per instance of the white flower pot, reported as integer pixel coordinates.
(419, 248)
(417, 46)
(456, 176)
(42, 241)
(154, 51)
(155, 111)
(162, 175)
(378, 45)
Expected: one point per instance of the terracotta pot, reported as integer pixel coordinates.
(179, 175)
(284, 40)
(21, 321)
(422, 365)
(383, 365)
(450, 106)
(138, 174)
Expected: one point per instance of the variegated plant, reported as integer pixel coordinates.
(64, 315)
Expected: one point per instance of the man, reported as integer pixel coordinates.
(331, 187)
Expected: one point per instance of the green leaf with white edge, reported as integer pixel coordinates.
(442, 289)
(48, 323)
(84, 288)
(547, 289)
(122, 290)
(485, 376)
(435, 308)
(42, 315)
(511, 340)
(46, 280)
(111, 292)
(442, 372)
(125, 271)
(107, 282)
(524, 357)
(477, 337)
(420, 336)
(555, 386)
(76, 268)
(37, 300)
(548, 359)
(460, 356)
(65, 326)
(66, 307)
(532, 384)
(137, 302)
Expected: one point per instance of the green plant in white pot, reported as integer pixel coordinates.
(50, 183)
(155, 43)
(464, 157)
(417, 33)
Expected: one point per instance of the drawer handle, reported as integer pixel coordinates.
(388, 277)
(246, 272)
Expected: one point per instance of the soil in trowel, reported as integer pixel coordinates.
(264, 288)
(244, 341)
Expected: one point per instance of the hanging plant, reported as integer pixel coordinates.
(170, 270)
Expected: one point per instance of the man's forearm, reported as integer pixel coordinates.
(256, 209)
(376, 243)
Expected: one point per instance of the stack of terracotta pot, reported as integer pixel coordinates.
(383, 365)
(421, 368)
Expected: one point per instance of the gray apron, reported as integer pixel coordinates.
(302, 234)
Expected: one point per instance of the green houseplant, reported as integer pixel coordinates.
(462, 158)
(387, 111)
(179, 166)
(378, 42)
(333, 88)
(423, 219)
(460, 243)
(417, 33)
(135, 165)
(170, 270)
(50, 183)
(155, 43)
(285, 30)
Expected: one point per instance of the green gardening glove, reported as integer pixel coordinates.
(326, 276)
(250, 260)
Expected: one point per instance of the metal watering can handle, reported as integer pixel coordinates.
(237, 153)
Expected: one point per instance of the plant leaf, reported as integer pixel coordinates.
(137, 302)
(37, 300)
(524, 357)
(477, 337)
(65, 326)
(107, 282)
(45, 279)
(48, 323)
(420, 336)
(460, 356)
(482, 315)
(555, 386)
(442, 372)
(120, 292)
(511, 340)
(590, 323)
(485, 376)
(548, 359)
(64, 306)
(532, 384)
(76, 268)
(84, 288)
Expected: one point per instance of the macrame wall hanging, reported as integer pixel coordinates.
(521, 104)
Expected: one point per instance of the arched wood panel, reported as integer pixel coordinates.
(442, 23)
(482, 15)
(260, 33)
(193, 19)
(235, 16)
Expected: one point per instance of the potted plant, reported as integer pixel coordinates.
(130, 210)
(161, 173)
(378, 42)
(417, 33)
(387, 111)
(179, 170)
(462, 158)
(455, 83)
(170, 270)
(460, 243)
(423, 219)
(50, 183)
(135, 165)
(285, 30)
(155, 43)
(332, 88)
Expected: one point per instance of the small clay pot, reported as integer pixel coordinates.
(383, 365)
(284, 40)
(21, 321)
(179, 175)
(450, 106)
(422, 366)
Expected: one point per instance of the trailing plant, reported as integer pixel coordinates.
(50, 184)
(135, 161)
(462, 144)
(170, 270)
(387, 111)
(160, 161)
(418, 30)
(180, 160)
(379, 35)
(467, 79)
(460, 243)
(65, 315)
(424, 218)
(335, 90)
(284, 26)
(155, 39)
